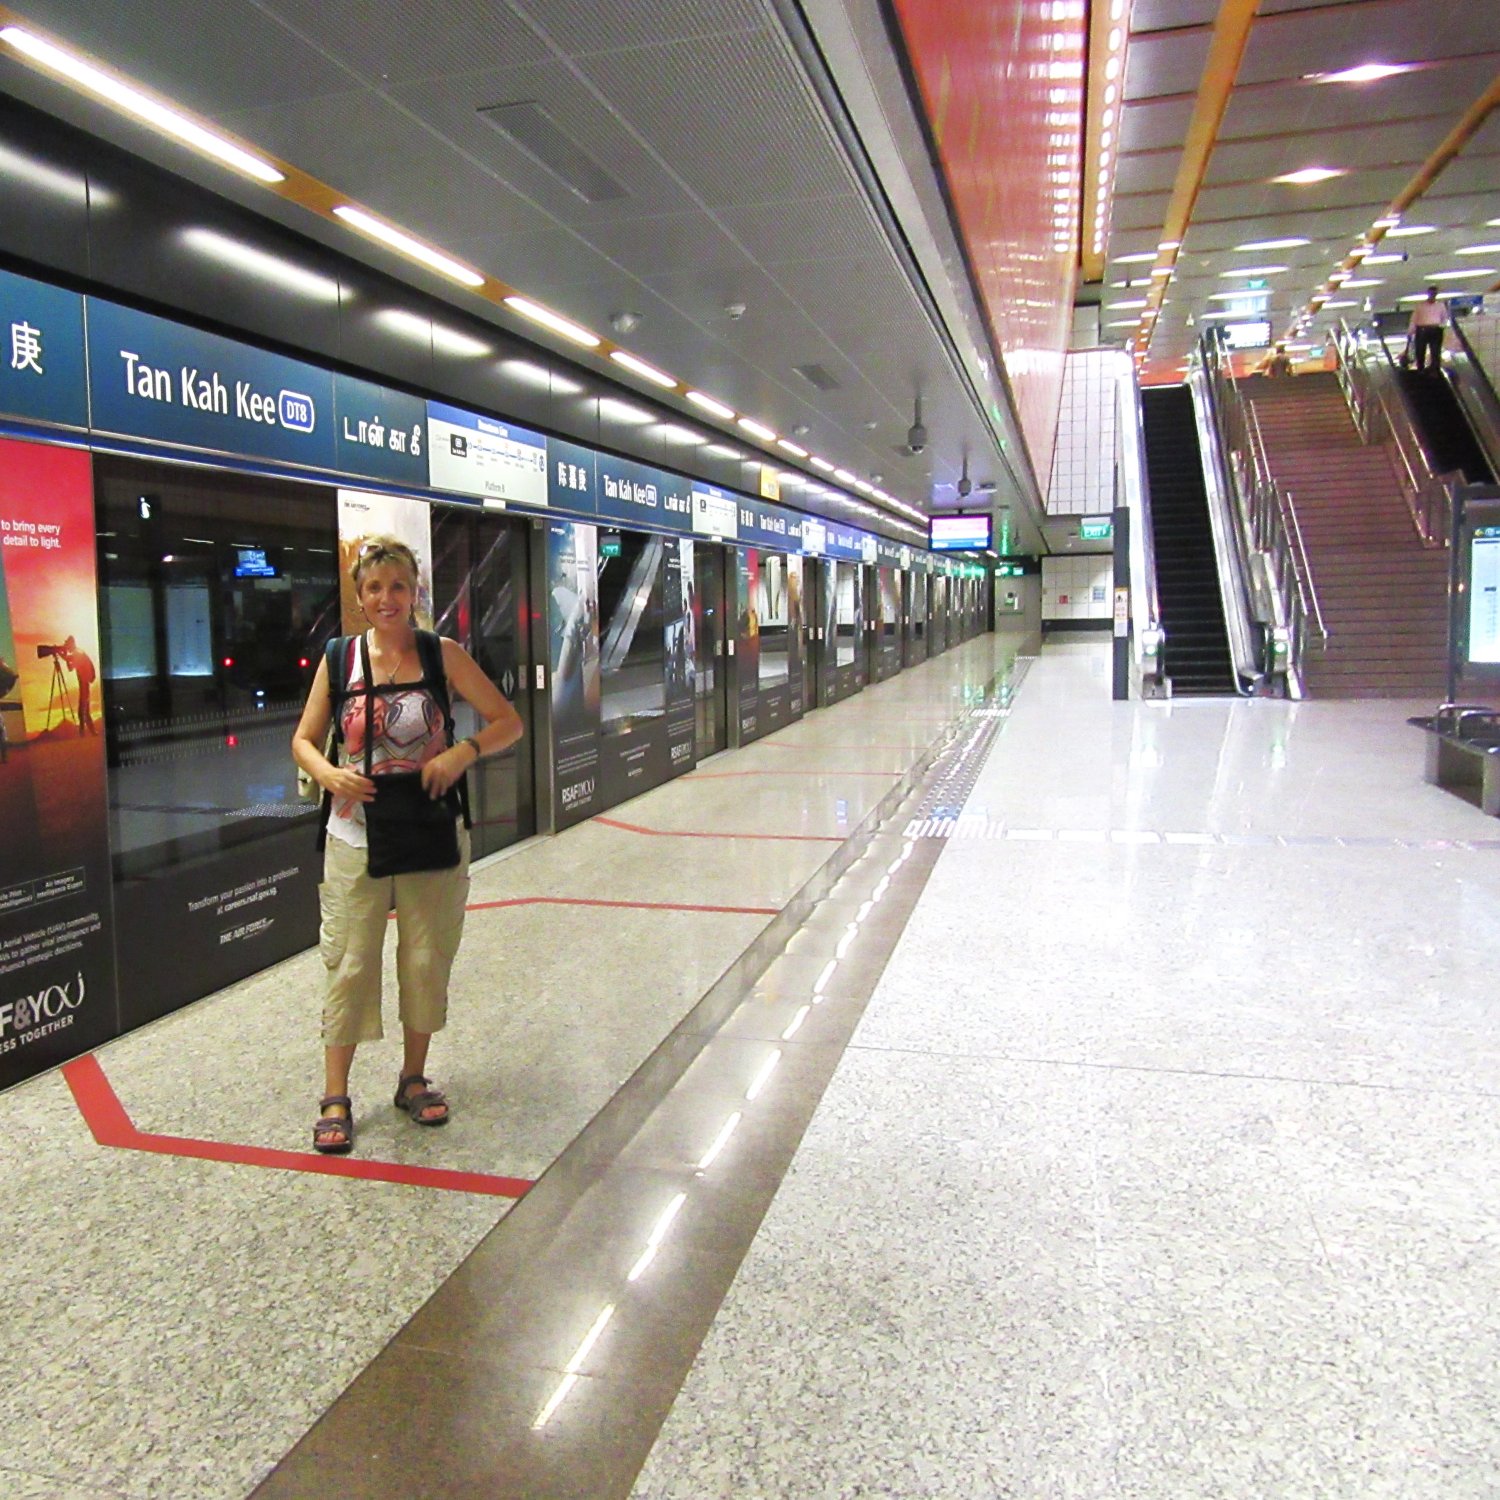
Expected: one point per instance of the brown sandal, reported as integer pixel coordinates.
(339, 1129)
(429, 1098)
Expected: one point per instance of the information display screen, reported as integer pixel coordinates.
(251, 562)
(959, 533)
(1484, 596)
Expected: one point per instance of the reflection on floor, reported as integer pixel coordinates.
(190, 1318)
(1161, 1164)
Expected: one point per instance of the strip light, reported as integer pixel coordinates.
(413, 249)
(555, 321)
(711, 405)
(645, 371)
(146, 109)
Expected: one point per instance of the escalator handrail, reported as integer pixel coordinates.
(1428, 494)
(1135, 494)
(1307, 589)
(1474, 387)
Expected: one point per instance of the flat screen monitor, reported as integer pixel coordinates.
(251, 562)
(1484, 597)
(1254, 335)
(959, 533)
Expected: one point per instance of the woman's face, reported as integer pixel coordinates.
(387, 594)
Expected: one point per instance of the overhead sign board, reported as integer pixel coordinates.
(716, 513)
(41, 356)
(481, 456)
(1096, 528)
(959, 533)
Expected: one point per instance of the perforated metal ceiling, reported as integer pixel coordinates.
(737, 191)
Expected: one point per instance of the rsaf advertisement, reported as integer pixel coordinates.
(573, 632)
(57, 980)
(747, 640)
(682, 655)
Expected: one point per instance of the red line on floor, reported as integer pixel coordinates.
(749, 911)
(679, 833)
(111, 1126)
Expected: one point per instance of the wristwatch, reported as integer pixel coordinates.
(471, 740)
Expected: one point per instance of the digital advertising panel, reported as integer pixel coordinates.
(959, 533)
(57, 974)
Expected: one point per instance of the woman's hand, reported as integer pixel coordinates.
(443, 771)
(343, 782)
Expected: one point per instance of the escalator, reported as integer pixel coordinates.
(1197, 655)
(1444, 430)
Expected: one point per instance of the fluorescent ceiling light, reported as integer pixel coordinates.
(1422, 296)
(1254, 294)
(844, 476)
(1252, 271)
(1389, 260)
(555, 321)
(1407, 231)
(709, 404)
(758, 429)
(273, 269)
(1307, 175)
(1365, 73)
(821, 463)
(1479, 250)
(1124, 323)
(1135, 260)
(1124, 306)
(1287, 244)
(150, 111)
(1360, 281)
(1462, 275)
(645, 371)
(387, 234)
(791, 447)
(1350, 303)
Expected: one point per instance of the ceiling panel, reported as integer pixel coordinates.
(1165, 64)
(1160, 15)
(579, 30)
(1155, 124)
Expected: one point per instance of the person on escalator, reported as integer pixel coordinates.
(1428, 320)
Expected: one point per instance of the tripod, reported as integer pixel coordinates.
(58, 697)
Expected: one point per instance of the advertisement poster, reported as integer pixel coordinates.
(363, 516)
(830, 629)
(747, 639)
(57, 980)
(682, 655)
(573, 633)
(1484, 596)
(794, 642)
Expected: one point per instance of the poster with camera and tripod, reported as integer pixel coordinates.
(57, 978)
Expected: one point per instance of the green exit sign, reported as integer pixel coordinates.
(1096, 528)
(609, 544)
(1010, 570)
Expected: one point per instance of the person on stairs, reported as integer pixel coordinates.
(1428, 320)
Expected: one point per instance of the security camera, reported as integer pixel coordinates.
(734, 311)
(916, 434)
(625, 322)
(965, 486)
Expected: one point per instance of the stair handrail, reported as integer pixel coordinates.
(1270, 524)
(1291, 548)
(1381, 417)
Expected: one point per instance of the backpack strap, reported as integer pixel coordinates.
(336, 655)
(430, 655)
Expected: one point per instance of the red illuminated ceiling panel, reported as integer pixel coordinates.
(1002, 84)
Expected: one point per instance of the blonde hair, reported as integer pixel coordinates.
(375, 551)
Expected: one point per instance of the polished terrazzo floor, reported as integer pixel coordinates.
(1162, 1161)
(188, 1319)
(1108, 1110)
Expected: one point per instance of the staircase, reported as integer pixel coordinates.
(1383, 594)
(1197, 660)
(1447, 438)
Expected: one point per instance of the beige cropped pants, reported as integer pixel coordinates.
(356, 912)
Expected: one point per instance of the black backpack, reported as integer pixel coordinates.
(337, 654)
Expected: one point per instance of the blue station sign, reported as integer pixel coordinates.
(149, 378)
(381, 433)
(41, 353)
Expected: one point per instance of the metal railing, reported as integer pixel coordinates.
(1367, 376)
(1133, 490)
(1267, 517)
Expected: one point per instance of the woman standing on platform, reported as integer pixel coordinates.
(391, 721)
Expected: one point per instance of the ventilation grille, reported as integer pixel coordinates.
(818, 375)
(528, 125)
